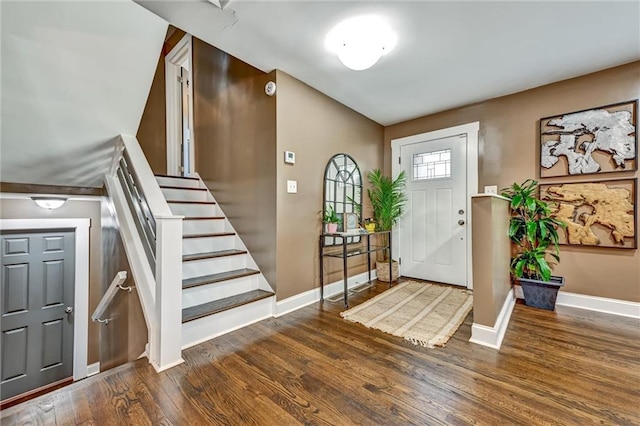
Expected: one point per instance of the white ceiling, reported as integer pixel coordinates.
(75, 75)
(449, 53)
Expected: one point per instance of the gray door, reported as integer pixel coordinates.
(36, 292)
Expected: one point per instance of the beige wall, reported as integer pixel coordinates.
(315, 127)
(491, 251)
(27, 209)
(509, 151)
(235, 147)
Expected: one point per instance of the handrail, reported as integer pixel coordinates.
(108, 296)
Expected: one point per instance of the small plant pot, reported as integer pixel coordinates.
(541, 294)
(332, 228)
(370, 227)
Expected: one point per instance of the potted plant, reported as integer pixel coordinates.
(331, 219)
(387, 202)
(533, 229)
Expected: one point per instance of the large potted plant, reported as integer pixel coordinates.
(534, 232)
(388, 199)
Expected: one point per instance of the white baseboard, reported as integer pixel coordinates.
(606, 305)
(301, 300)
(93, 369)
(492, 336)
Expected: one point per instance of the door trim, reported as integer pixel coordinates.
(180, 54)
(471, 132)
(81, 292)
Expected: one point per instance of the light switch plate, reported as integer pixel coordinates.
(292, 186)
(492, 189)
(290, 157)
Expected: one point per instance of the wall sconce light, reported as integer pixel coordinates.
(49, 203)
(359, 42)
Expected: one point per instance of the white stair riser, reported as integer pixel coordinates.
(197, 268)
(209, 244)
(195, 210)
(203, 329)
(183, 183)
(184, 195)
(193, 227)
(208, 293)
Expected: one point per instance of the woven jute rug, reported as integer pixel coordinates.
(422, 313)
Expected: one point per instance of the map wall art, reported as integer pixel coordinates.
(600, 214)
(598, 140)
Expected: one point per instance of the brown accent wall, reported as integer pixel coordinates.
(235, 147)
(509, 152)
(315, 127)
(125, 337)
(26, 209)
(152, 132)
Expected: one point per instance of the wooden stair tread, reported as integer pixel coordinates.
(210, 308)
(176, 177)
(189, 202)
(204, 218)
(213, 234)
(212, 255)
(216, 278)
(186, 188)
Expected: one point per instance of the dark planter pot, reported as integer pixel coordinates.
(541, 294)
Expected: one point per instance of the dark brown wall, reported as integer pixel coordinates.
(125, 337)
(509, 152)
(235, 147)
(152, 132)
(316, 128)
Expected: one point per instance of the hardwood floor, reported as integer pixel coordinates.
(569, 367)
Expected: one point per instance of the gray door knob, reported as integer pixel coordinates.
(69, 310)
(461, 222)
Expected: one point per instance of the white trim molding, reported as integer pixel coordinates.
(93, 369)
(492, 336)
(471, 131)
(178, 56)
(81, 294)
(623, 308)
(309, 297)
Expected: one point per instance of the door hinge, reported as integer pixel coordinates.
(399, 160)
(400, 261)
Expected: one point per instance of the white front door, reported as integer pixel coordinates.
(432, 232)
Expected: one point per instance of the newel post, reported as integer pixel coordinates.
(168, 306)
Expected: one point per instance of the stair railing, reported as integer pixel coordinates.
(108, 297)
(152, 237)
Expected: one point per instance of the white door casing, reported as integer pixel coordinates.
(177, 59)
(470, 133)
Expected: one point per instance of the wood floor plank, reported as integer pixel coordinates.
(312, 367)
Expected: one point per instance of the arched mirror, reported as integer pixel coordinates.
(343, 192)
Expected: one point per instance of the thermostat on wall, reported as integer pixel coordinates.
(290, 157)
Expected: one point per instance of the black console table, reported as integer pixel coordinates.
(349, 250)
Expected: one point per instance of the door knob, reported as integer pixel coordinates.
(461, 222)
(69, 310)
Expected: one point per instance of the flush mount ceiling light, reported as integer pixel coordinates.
(49, 203)
(359, 42)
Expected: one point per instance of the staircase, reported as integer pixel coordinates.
(222, 287)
